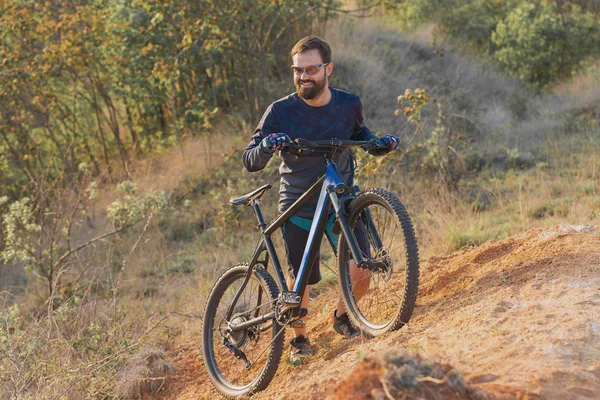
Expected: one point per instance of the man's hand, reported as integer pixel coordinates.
(391, 141)
(276, 141)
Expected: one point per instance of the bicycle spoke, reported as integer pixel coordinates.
(245, 356)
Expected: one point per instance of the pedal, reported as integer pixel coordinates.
(290, 298)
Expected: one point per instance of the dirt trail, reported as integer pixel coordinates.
(518, 318)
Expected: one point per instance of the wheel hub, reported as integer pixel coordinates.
(388, 263)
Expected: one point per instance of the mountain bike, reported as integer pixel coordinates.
(247, 310)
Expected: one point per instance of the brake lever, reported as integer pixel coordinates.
(296, 148)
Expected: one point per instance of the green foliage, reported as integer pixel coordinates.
(20, 229)
(92, 191)
(468, 23)
(43, 239)
(412, 103)
(445, 153)
(538, 42)
(473, 22)
(133, 207)
(97, 84)
(542, 43)
(446, 150)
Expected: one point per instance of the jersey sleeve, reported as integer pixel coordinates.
(255, 156)
(361, 132)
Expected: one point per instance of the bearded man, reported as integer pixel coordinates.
(315, 112)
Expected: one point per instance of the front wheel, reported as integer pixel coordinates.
(241, 362)
(379, 297)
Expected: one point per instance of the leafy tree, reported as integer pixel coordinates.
(101, 82)
(89, 86)
(543, 42)
(469, 23)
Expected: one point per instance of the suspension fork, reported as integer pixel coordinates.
(342, 215)
(367, 219)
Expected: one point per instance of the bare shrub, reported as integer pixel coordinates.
(405, 376)
(146, 372)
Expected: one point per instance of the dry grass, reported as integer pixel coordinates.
(500, 205)
(496, 114)
(583, 88)
(379, 65)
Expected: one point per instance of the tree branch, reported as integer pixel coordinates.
(92, 241)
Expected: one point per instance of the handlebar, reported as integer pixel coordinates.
(301, 147)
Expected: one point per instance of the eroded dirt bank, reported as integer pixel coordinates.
(516, 318)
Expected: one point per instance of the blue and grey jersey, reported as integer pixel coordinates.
(341, 118)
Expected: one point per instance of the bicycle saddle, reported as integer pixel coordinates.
(245, 199)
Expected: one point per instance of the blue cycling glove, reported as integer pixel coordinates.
(276, 141)
(391, 141)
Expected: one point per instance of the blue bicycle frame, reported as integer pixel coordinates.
(332, 186)
(333, 192)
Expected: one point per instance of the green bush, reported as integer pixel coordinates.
(540, 43)
(556, 207)
(474, 235)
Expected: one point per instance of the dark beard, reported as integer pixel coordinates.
(312, 92)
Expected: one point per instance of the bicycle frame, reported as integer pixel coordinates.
(333, 192)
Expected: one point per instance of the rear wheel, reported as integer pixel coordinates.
(242, 362)
(380, 298)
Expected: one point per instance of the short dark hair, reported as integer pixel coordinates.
(310, 43)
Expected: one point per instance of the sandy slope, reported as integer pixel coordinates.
(519, 318)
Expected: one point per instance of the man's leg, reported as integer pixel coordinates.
(305, 302)
(360, 284)
(295, 238)
(360, 279)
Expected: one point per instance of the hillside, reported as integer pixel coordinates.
(517, 318)
(496, 169)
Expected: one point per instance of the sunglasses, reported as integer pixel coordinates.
(310, 70)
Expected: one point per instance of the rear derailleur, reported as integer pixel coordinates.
(234, 341)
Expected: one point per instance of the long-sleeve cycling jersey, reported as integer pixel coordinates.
(341, 118)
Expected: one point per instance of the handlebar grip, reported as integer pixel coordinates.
(375, 145)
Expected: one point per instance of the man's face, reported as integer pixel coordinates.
(310, 86)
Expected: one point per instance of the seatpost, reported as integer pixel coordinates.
(261, 221)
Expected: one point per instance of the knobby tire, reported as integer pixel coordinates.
(275, 337)
(406, 266)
